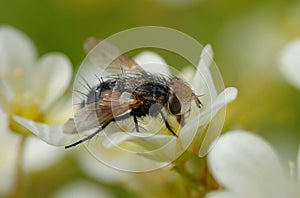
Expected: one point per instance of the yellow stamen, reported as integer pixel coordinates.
(29, 111)
(17, 128)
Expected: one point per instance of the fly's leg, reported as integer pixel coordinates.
(167, 124)
(136, 123)
(127, 115)
(88, 137)
(122, 117)
(118, 118)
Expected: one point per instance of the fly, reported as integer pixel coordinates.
(134, 93)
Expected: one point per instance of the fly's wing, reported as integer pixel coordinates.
(110, 58)
(86, 119)
(103, 61)
(99, 113)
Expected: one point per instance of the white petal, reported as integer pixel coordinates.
(116, 139)
(91, 166)
(152, 62)
(203, 81)
(146, 140)
(121, 157)
(17, 57)
(289, 63)
(6, 92)
(51, 77)
(8, 153)
(192, 129)
(220, 194)
(39, 155)
(60, 111)
(212, 132)
(16, 50)
(223, 99)
(157, 147)
(188, 74)
(247, 165)
(52, 135)
(3, 121)
(81, 188)
(215, 117)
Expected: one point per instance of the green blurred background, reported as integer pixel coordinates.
(247, 37)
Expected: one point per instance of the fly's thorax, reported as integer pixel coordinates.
(145, 93)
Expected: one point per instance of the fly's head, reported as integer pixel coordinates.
(180, 96)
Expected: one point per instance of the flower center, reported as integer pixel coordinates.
(24, 105)
(30, 111)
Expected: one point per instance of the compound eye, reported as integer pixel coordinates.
(174, 105)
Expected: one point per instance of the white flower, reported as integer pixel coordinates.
(31, 89)
(247, 166)
(166, 147)
(289, 63)
(82, 188)
(28, 89)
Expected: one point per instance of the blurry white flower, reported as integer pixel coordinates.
(29, 88)
(289, 63)
(247, 166)
(154, 62)
(166, 147)
(81, 188)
